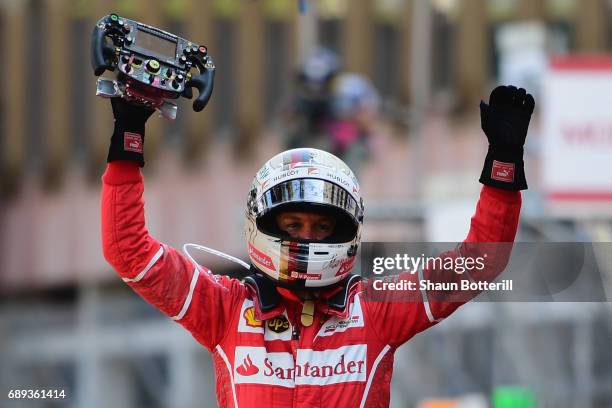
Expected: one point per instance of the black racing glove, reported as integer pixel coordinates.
(127, 141)
(505, 121)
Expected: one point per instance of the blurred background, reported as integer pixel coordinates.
(393, 87)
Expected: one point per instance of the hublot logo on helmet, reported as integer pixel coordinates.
(285, 174)
(338, 179)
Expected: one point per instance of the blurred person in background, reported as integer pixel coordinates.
(332, 110)
(309, 112)
(299, 331)
(354, 105)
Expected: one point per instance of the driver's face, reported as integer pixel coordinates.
(306, 225)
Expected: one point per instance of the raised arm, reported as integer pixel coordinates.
(505, 121)
(190, 295)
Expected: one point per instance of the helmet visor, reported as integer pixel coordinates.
(313, 195)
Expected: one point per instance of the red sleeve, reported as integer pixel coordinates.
(496, 220)
(194, 297)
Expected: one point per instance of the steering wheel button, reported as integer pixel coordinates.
(153, 66)
(202, 50)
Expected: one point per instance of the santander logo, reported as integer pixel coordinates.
(306, 367)
(247, 368)
(260, 258)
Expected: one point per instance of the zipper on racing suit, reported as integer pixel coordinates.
(295, 345)
(297, 338)
(295, 334)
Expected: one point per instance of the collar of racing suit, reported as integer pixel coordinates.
(270, 300)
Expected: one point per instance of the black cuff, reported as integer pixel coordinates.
(127, 142)
(504, 168)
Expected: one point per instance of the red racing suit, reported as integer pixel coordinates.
(263, 355)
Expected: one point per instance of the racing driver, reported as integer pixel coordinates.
(300, 330)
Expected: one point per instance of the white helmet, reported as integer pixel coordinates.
(304, 180)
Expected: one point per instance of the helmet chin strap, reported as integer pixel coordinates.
(214, 252)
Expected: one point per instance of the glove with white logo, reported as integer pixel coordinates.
(127, 141)
(505, 121)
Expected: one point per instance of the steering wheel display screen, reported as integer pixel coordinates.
(156, 44)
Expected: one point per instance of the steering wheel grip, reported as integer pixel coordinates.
(98, 63)
(187, 92)
(204, 83)
(101, 52)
